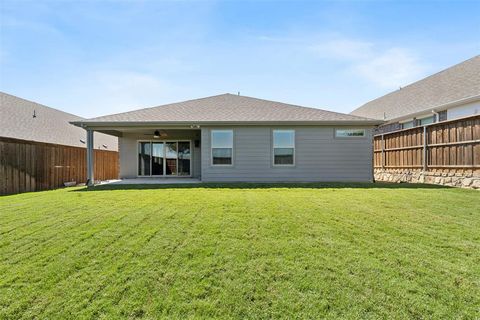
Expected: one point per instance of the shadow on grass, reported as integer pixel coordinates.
(309, 185)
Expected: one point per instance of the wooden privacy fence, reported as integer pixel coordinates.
(34, 166)
(451, 145)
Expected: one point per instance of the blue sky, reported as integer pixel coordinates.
(96, 57)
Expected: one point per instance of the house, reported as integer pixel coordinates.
(41, 150)
(450, 94)
(236, 138)
(26, 120)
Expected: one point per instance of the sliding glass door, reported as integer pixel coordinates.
(184, 158)
(144, 158)
(171, 165)
(169, 158)
(157, 158)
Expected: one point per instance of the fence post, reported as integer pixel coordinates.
(383, 153)
(425, 153)
(90, 158)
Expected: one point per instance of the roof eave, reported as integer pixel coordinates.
(438, 108)
(93, 124)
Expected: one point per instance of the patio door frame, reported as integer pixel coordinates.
(164, 175)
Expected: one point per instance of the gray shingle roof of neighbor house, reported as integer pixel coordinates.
(49, 125)
(227, 108)
(450, 86)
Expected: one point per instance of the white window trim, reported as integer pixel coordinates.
(273, 148)
(211, 147)
(351, 137)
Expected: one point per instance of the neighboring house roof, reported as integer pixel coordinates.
(49, 125)
(227, 108)
(455, 84)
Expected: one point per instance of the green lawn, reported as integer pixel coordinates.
(241, 251)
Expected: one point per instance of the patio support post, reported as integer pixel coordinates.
(90, 157)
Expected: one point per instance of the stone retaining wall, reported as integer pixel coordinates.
(454, 179)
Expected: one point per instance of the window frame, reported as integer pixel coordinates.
(350, 137)
(294, 148)
(420, 124)
(164, 175)
(211, 147)
(402, 124)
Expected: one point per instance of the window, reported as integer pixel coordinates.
(348, 133)
(427, 120)
(407, 125)
(165, 158)
(144, 158)
(442, 115)
(222, 147)
(283, 147)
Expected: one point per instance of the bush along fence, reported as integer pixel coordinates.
(446, 153)
(33, 166)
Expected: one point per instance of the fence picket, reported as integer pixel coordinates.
(33, 166)
(447, 145)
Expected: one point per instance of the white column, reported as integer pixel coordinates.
(90, 157)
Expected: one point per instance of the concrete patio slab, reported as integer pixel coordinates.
(151, 181)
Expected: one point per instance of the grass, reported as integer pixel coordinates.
(241, 251)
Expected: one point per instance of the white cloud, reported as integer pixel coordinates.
(385, 67)
(390, 69)
(345, 49)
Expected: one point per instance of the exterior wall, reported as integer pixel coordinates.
(464, 111)
(128, 149)
(319, 156)
(461, 178)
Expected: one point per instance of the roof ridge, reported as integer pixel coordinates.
(233, 96)
(162, 105)
(303, 107)
(40, 104)
(420, 80)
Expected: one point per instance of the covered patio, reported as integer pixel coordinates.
(151, 154)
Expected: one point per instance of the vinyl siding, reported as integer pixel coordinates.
(128, 152)
(465, 110)
(319, 156)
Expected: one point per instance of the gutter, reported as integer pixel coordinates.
(197, 124)
(436, 109)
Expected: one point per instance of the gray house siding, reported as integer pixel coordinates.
(319, 156)
(128, 149)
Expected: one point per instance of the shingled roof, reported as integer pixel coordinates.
(457, 83)
(227, 108)
(49, 125)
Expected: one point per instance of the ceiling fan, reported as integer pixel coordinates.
(158, 134)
